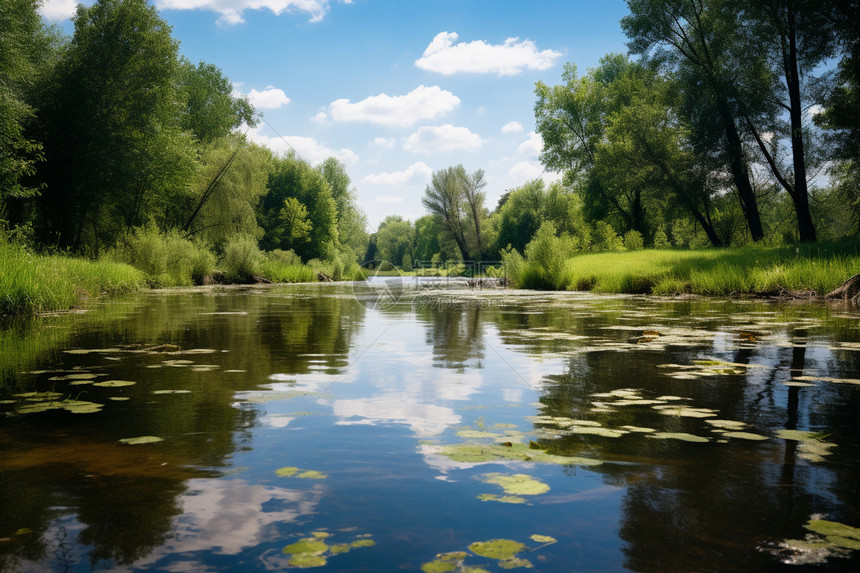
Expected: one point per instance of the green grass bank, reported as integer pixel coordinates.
(31, 283)
(753, 270)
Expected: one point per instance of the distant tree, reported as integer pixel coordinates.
(291, 177)
(351, 219)
(473, 184)
(456, 197)
(394, 239)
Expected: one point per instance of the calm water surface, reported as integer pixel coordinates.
(592, 433)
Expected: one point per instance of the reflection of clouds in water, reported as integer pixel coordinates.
(514, 395)
(276, 420)
(396, 408)
(227, 516)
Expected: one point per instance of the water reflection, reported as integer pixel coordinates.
(241, 382)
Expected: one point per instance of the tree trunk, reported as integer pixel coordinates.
(806, 227)
(740, 174)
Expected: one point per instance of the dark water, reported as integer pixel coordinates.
(369, 404)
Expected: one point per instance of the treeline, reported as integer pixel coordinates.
(729, 123)
(114, 144)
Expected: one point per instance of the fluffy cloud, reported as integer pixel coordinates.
(415, 173)
(387, 143)
(512, 127)
(231, 10)
(442, 138)
(478, 57)
(422, 103)
(269, 98)
(308, 148)
(56, 10)
(532, 146)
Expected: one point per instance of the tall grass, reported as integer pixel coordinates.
(31, 283)
(744, 270)
(166, 258)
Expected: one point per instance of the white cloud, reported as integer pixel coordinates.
(415, 173)
(508, 59)
(56, 10)
(512, 127)
(308, 148)
(389, 199)
(269, 98)
(422, 103)
(231, 10)
(321, 117)
(532, 146)
(442, 138)
(387, 143)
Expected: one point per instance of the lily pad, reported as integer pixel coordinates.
(476, 434)
(114, 383)
(497, 548)
(543, 538)
(516, 484)
(745, 436)
(438, 567)
(678, 436)
(311, 474)
(141, 440)
(481, 453)
(311, 545)
(307, 560)
(287, 471)
(605, 432)
(171, 392)
(502, 498)
(362, 543)
(515, 563)
(727, 424)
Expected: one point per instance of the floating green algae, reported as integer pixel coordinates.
(140, 440)
(502, 498)
(438, 567)
(638, 429)
(833, 529)
(314, 552)
(290, 471)
(828, 539)
(678, 436)
(476, 434)
(543, 538)
(515, 563)
(160, 392)
(362, 543)
(726, 424)
(811, 447)
(594, 431)
(497, 548)
(686, 412)
(516, 484)
(482, 453)
(311, 545)
(745, 436)
(114, 383)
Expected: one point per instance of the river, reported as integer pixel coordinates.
(384, 427)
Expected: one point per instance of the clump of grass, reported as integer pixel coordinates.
(167, 258)
(744, 270)
(32, 283)
(284, 273)
(242, 258)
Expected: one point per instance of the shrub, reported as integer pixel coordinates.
(661, 241)
(512, 265)
(546, 256)
(604, 238)
(633, 241)
(167, 259)
(242, 258)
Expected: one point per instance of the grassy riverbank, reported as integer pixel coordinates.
(31, 283)
(808, 269)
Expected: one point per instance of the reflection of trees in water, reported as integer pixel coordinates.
(126, 497)
(689, 506)
(456, 335)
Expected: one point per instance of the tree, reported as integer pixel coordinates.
(210, 110)
(791, 32)
(25, 46)
(455, 196)
(291, 177)
(571, 118)
(351, 219)
(693, 39)
(115, 154)
(394, 240)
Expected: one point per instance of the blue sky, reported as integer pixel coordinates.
(395, 89)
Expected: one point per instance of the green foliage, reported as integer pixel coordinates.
(455, 197)
(661, 241)
(545, 257)
(31, 283)
(242, 258)
(751, 269)
(23, 46)
(210, 110)
(604, 238)
(394, 240)
(166, 258)
(291, 177)
(633, 241)
(115, 153)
